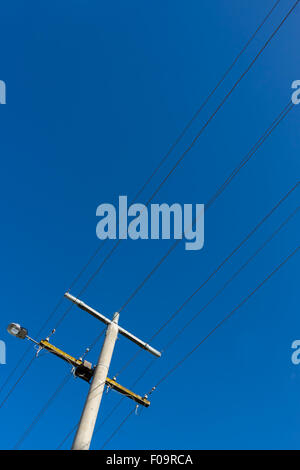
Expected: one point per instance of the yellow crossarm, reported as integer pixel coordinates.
(128, 393)
(78, 363)
(58, 352)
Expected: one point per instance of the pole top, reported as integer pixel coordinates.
(115, 319)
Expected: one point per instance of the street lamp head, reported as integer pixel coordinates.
(17, 330)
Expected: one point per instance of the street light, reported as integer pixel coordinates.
(17, 330)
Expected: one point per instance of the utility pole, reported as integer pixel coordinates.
(89, 415)
(83, 369)
(90, 412)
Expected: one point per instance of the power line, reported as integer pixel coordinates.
(102, 424)
(266, 134)
(242, 76)
(92, 345)
(254, 149)
(150, 199)
(52, 398)
(179, 363)
(36, 334)
(261, 140)
(224, 100)
(282, 225)
(208, 205)
(107, 257)
(219, 292)
(165, 157)
(67, 436)
(179, 138)
(98, 428)
(261, 247)
(251, 258)
(197, 136)
(181, 135)
(192, 145)
(42, 411)
(206, 100)
(16, 383)
(6, 381)
(236, 249)
(117, 429)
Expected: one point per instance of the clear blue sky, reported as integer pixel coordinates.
(96, 93)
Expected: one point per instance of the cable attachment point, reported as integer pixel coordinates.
(52, 333)
(152, 390)
(38, 349)
(85, 353)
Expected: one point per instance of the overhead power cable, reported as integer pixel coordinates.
(259, 143)
(250, 66)
(179, 363)
(262, 139)
(118, 428)
(52, 398)
(107, 257)
(227, 283)
(223, 101)
(31, 362)
(219, 191)
(207, 206)
(147, 182)
(207, 123)
(206, 100)
(42, 411)
(17, 382)
(175, 337)
(221, 290)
